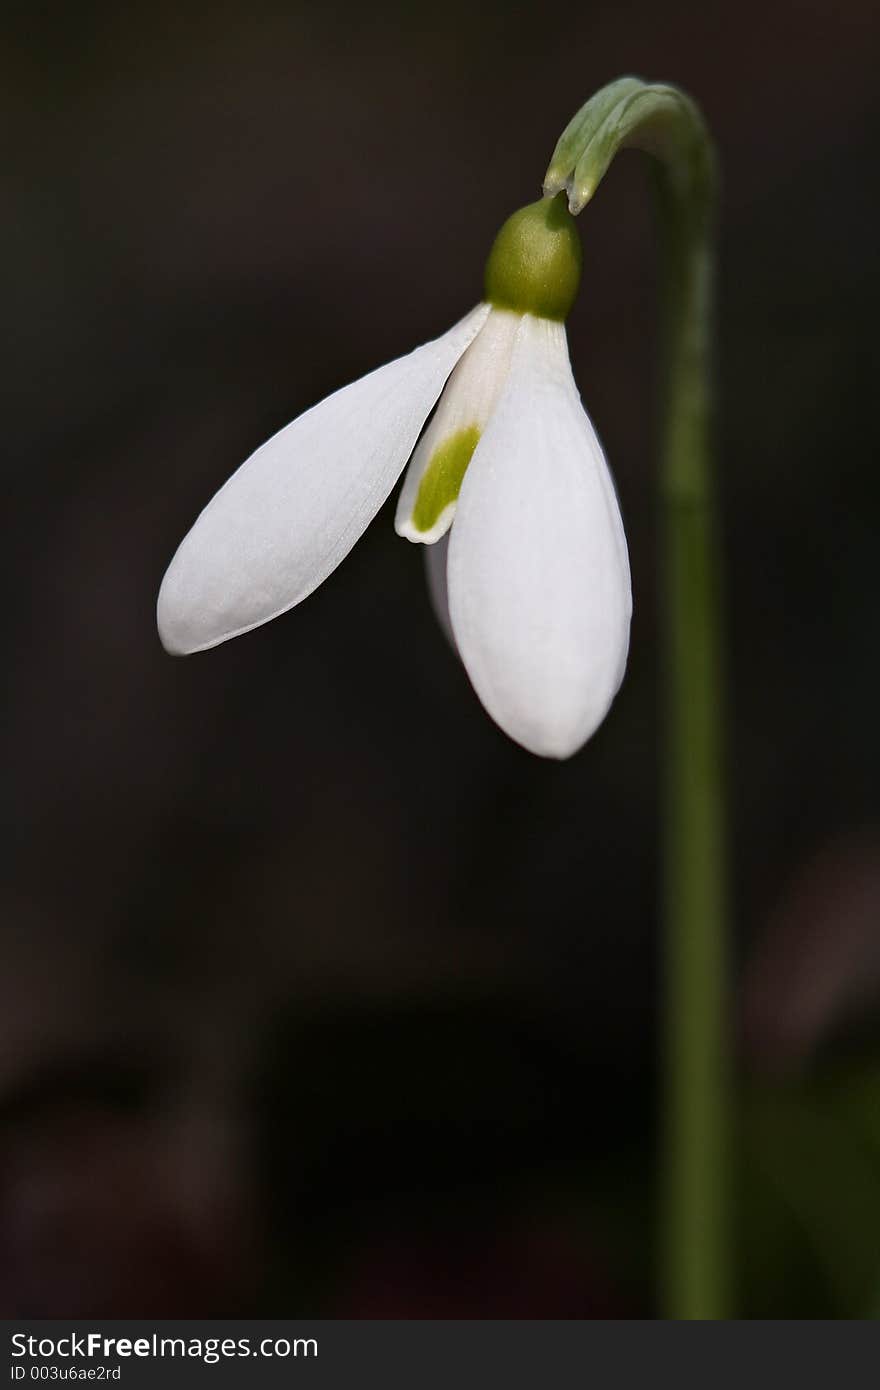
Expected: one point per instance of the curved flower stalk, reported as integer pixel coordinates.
(537, 576)
(666, 124)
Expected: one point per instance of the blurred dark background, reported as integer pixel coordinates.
(317, 996)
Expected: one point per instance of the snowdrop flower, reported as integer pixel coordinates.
(534, 571)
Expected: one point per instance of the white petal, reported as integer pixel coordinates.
(295, 508)
(462, 414)
(538, 574)
(435, 573)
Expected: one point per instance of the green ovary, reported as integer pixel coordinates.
(534, 266)
(441, 480)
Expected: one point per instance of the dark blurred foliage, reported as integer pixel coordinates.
(317, 995)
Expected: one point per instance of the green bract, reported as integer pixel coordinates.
(651, 116)
(534, 266)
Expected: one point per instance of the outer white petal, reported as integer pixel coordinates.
(295, 508)
(538, 574)
(467, 403)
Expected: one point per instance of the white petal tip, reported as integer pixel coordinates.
(558, 744)
(190, 618)
(406, 527)
(177, 630)
(170, 643)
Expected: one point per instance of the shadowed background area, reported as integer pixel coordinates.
(316, 994)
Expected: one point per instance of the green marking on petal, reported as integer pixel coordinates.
(441, 480)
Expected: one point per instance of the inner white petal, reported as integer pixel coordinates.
(430, 491)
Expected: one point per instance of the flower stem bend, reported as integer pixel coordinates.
(664, 122)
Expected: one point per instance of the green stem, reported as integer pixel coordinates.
(695, 1260)
(695, 1237)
